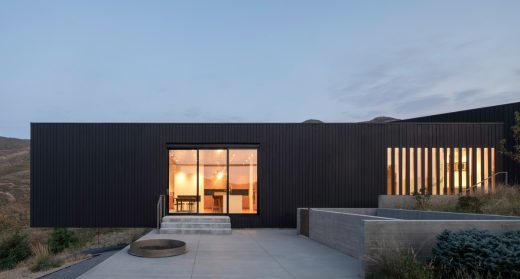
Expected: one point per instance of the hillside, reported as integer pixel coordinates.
(382, 119)
(14, 183)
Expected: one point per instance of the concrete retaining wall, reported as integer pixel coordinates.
(437, 215)
(408, 202)
(340, 229)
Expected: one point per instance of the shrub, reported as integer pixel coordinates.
(422, 199)
(61, 239)
(43, 260)
(479, 252)
(469, 204)
(401, 264)
(13, 250)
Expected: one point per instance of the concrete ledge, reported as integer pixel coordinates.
(437, 215)
(408, 201)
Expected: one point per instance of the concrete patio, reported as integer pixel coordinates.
(248, 253)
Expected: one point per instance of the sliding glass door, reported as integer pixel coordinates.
(212, 181)
(182, 190)
(242, 181)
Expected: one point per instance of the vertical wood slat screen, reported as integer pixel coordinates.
(440, 170)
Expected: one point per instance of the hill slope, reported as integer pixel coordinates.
(14, 183)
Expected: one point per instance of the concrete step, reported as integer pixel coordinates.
(195, 231)
(198, 225)
(197, 219)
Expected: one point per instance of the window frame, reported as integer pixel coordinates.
(212, 146)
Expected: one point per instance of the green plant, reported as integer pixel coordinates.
(13, 250)
(514, 153)
(61, 239)
(422, 199)
(469, 204)
(43, 260)
(478, 252)
(402, 264)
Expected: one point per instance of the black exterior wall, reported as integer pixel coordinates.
(501, 113)
(111, 175)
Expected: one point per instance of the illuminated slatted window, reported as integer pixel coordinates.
(434, 172)
(403, 172)
(478, 169)
(412, 171)
(420, 183)
(396, 170)
(389, 171)
(442, 179)
(493, 169)
(440, 170)
(470, 168)
(486, 171)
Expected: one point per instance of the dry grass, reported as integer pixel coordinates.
(505, 200)
(105, 237)
(42, 259)
(399, 263)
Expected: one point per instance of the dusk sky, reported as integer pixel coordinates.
(252, 61)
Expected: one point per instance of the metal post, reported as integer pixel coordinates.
(163, 206)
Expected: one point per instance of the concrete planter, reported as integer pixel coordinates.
(365, 233)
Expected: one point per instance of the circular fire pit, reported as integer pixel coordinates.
(157, 248)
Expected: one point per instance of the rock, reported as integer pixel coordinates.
(8, 196)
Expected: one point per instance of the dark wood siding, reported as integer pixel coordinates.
(111, 175)
(501, 114)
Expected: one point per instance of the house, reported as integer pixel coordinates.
(112, 174)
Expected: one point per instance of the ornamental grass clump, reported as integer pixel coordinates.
(43, 259)
(505, 200)
(479, 252)
(400, 263)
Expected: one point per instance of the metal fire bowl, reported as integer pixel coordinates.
(157, 248)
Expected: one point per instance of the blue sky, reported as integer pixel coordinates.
(252, 61)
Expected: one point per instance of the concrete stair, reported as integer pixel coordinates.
(196, 225)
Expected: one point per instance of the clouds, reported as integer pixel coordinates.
(266, 61)
(427, 79)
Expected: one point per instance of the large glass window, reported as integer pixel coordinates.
(212, 181)
(242, 181)
(182, 190)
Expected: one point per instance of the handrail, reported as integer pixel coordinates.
(487, 178)
(161, 211)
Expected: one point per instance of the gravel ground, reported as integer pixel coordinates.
(76, 270)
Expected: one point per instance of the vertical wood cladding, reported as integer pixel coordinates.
(111, 175)
(499, 114)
